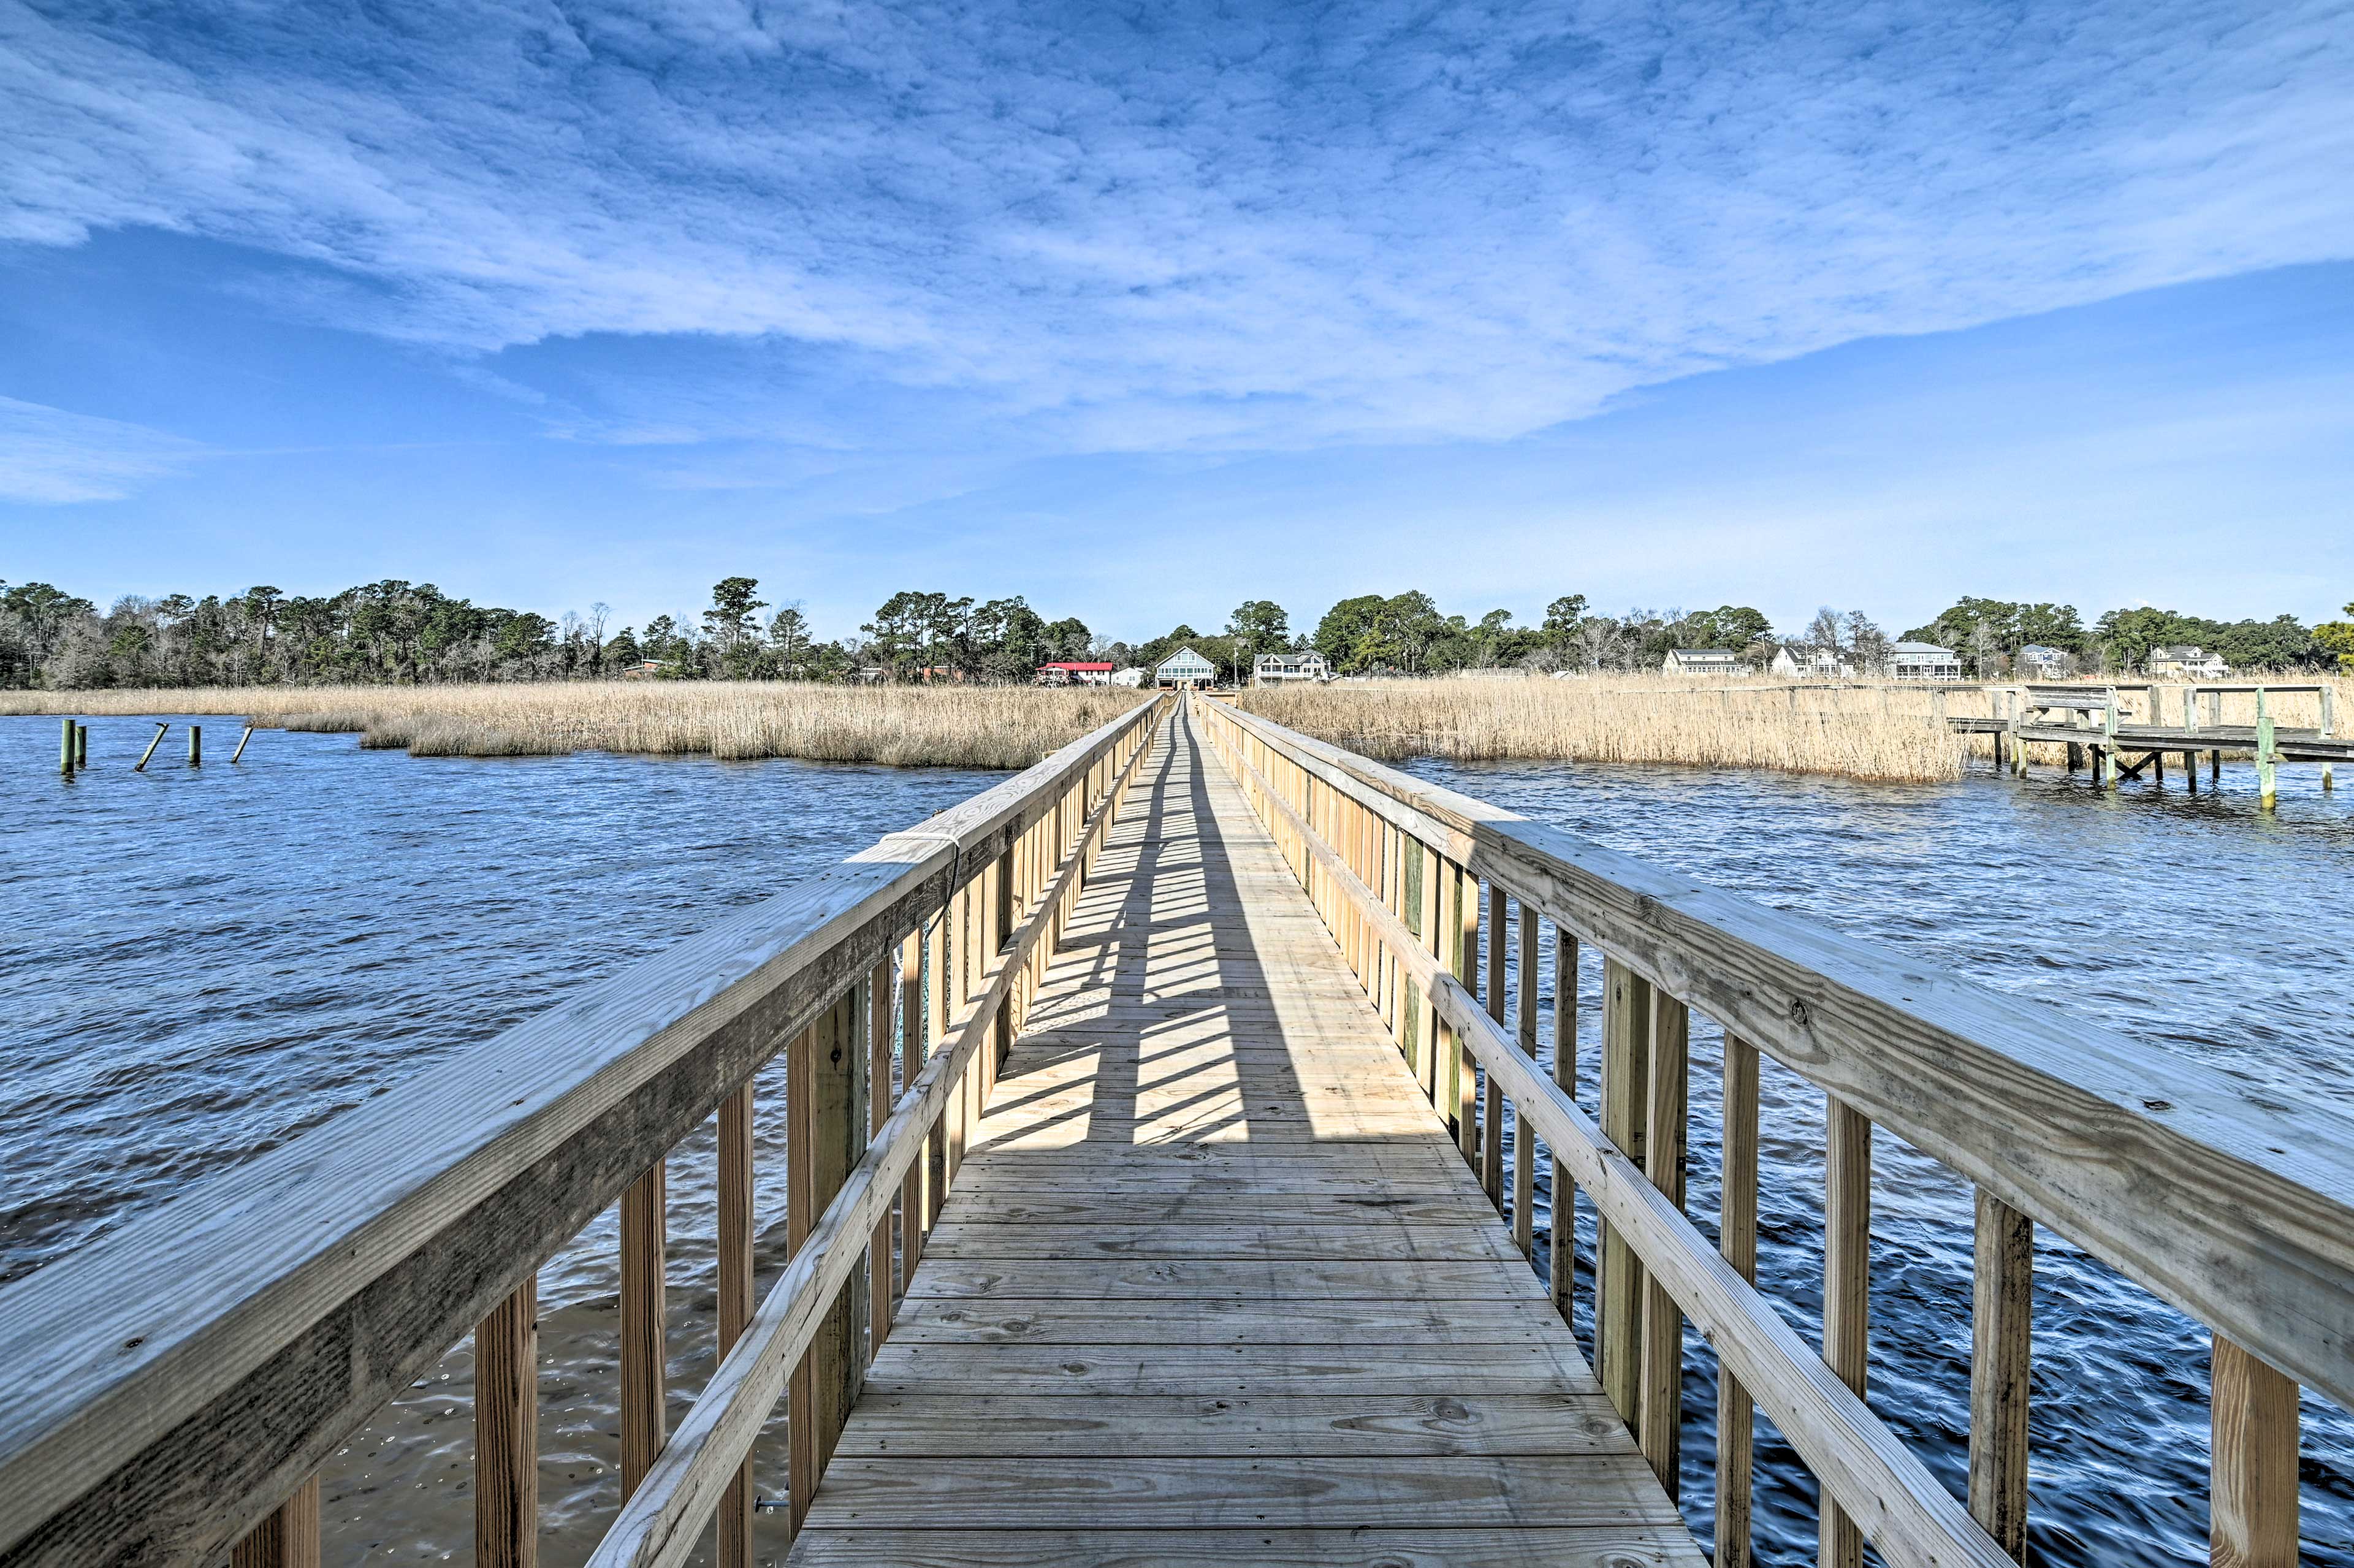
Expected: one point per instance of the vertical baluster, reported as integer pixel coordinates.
(2252, 1496)
(880, 992)
(2002, 1291)
(1465, 933)
(960, 990)
(1625, 1098)
(506, 1431)
(1663, 1322)
(1524, 1143)
(831, 1126)
(1847, 1294)
(936, 964)
(644, 1339)
(289, 1537)
(1736, 1222)
(1491, 1134)
(1422, 872)
(914, 1192)
(1000, 905)
(1563, 1243)
(735, 1248)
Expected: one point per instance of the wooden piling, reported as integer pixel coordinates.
(241, 739)
(82, 746)
(196, 745)
(153, 742)
(66, 749)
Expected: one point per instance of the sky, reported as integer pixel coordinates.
(1140, 312)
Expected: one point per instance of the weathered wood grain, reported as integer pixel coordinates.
(506, 1432)
(1400, 1426)
(2002, 1301)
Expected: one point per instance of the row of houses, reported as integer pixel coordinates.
(1183, 668)
(1927, 661)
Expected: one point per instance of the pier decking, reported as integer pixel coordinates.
(1215, 1285)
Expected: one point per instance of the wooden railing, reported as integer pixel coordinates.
(2235, 1209)
(173, 1388)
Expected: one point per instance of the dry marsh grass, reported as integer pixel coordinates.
(908, 726)
(1870, 732)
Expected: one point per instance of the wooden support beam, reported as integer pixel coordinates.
(829, 1129)
(289, 1537)
(2252, 1498)
(506, 1432)
(1492, 1135)
(1524, 1143)
(1663, 1160)
(1847, 1294)
(1736, 1225)
(644, 1342)
(1466, 937)
(915, 1194)
(1626, 1091)
(2002, 1306)
(881, 991)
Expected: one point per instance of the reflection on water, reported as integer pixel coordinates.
(2195, 924)
(198, 966)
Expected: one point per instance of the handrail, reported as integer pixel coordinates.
(2231, 1206)
(171, 1381)
(661, 1523)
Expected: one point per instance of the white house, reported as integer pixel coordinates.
(1279, 669)
(1811, 664)
(1925, 662)
(2187, 661)
(1701, 661)
(1131, 676)
(1072, 672)
(2044, 663)
(1183, 668)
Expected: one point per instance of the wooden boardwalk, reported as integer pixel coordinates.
(1215, 1285)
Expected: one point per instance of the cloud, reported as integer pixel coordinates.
(1195, 227)
(49, 456)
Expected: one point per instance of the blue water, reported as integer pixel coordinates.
(2194, 923)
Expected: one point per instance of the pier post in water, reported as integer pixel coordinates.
(66, 749)
(196, 745)
(240, 744)
(153, 742)
(82, 746)
(2267, 756)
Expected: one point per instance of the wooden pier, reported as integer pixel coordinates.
(1149, 1202)
(2095, 728)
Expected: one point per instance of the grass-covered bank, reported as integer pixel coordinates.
(910, 726)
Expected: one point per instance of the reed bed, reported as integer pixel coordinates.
(1855, 732)
(906, 726)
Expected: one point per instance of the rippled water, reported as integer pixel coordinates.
(197, 965)
(2197, 923)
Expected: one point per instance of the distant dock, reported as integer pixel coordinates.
(2097, 729)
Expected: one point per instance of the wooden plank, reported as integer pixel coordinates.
(644, 1344)
(1847, 1294)
(826, 1384)
(1247, 1494)
(1122, 1372)
(1182, 1202)
(1381, 1425)
(1370, 1240)
(506, 1432)
(2252, 1500)
(915, 1197)
(1601, 1546)
(1626, 1080)
(1736, 1224)
(1213, 1321)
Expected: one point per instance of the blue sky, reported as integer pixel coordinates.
(1140, 313)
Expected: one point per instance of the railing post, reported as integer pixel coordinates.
(1847, 1278)
(914, 1191)
(1736, 1223)
(830, 1128)
(1464, 932)
(936, 966)
(1563, 1242)
(1524, 1143)
(644, 1323)
(1626, 1091)
(734, 1249)
(1663, 1323)
(289, 1537)
(2252, 1498)
(1491, 1132)
(2002, 1294)
(880, 992)
(1422, 917)
(506, 1431)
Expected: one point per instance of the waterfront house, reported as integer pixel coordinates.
(2187, 661)
(1281, 669)
(1183, 668)
(1701, 661)
(1924, 661)
(2038, 663)
(1132, 676)
(1811, 664)
(1072, 672)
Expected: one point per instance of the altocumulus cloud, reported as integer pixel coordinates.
(1164, 227)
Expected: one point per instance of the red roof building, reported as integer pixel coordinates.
(1072, 672)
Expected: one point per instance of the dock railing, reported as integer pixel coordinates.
(173, 1388)
(2235, 1209)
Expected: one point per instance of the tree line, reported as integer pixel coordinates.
(398, 631)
